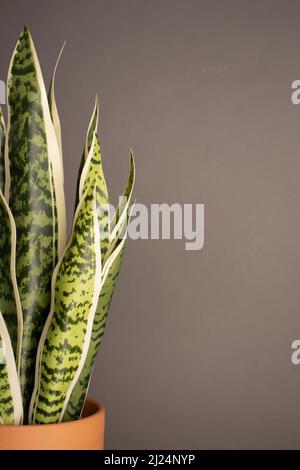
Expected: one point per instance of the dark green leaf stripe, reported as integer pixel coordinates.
(11, 410)
(64, 343)
(2, 144)
(93, 170)
(77, 398)
(10, 306)
(92, 128)
(33, 165)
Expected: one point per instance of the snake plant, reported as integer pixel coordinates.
(55, 292)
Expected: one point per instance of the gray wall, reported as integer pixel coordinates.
(197, 349)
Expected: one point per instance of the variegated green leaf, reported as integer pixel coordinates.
(110, 272)
(34, 189)
(77, 398)
(92, 128)
(53, 108)
(10, 306)
(2, 144)
(11, 409)
(93, 171)
(65, 340)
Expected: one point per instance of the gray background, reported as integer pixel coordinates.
(198, 345)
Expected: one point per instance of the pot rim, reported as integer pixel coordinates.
(94, 409)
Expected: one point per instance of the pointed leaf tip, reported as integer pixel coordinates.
(25, 31)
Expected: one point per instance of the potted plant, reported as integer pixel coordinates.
(54, 294)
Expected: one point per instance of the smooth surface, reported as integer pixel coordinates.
(84, 434)
(197, 347)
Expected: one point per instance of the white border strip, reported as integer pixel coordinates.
(6, 158)
(86, 167)
(53, 106)
(12, 373)
(14, 280)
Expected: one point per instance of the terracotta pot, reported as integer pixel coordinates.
(84, 434)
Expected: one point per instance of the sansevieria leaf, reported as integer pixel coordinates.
(10, 305)
(93, 171)
(11, 409)
(2, 145)
(111, 268)
(65, 341)
(77, 398)
(34, 191)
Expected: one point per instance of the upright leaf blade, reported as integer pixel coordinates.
(34, 189)
(11, 409)
(10, 305)
(112, 263)
(65, 340)
(2, 146)
(77, 398)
